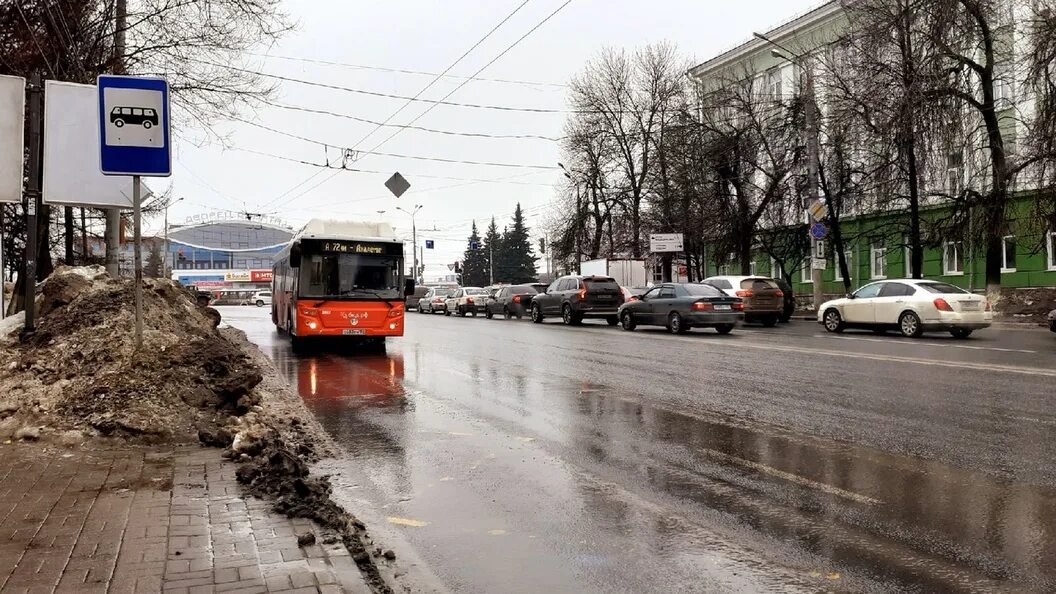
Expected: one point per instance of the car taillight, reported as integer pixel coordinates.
(942, 305)
(779, 293)
(516, 298)
(702, 306)
(469, 301)
(745, 293)
(582, 294)
(395, 312)
(989, 306)
(632, 298)
(739, 306)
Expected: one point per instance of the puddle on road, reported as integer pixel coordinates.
(900, 520)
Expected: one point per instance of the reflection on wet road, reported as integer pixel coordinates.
(520, 458)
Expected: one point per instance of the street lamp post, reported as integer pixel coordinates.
(414, 236)
(168, 258)
(579, 221)
(810, 117)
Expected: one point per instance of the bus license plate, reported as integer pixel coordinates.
(353, 332)
(722, 308)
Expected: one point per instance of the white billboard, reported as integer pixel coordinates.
(12, 124)
(71, 150)
(665, 242)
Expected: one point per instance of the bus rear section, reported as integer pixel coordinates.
(340, 287)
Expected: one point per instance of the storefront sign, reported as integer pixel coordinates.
(228, 215)
(260, 276)
(210, 284)
(237, 276)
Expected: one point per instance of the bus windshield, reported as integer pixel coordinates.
(343, 276)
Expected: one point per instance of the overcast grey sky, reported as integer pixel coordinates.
(428, 36)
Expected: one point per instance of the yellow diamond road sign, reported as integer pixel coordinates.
(397, 184)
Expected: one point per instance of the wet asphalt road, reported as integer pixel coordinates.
(513, 457)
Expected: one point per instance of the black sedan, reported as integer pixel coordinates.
(681, 306)
(512, 301)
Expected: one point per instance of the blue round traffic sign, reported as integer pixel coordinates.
(818, 231)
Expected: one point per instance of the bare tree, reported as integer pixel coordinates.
(752, 144)
(982, 88)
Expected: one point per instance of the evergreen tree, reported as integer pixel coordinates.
(493, 252)
(517, 252)
(155, 266)
(474, 262)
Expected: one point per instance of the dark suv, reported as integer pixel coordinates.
(577, 297)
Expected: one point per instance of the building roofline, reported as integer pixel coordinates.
(174, 227)
(810, 18)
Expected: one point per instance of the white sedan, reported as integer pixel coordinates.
(910, 306)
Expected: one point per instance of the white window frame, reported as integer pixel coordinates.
(775, 269)
(751, 267)
(1004, 253)
(1051, 250)
(805, 275)
(1003, 90)
(946, 271)
(875, 274)
(907, 259)
(955, 174)
(848, 255)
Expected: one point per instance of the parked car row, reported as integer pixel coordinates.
(911, 307)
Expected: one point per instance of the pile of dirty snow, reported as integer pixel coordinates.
(80, 370)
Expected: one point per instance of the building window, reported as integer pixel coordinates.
(878, 260)
(955, 173)
(751, 268)
(804, 271)
(1008, 253)
(953, 258)
(1051, 251)
(773, 86)
(848, 256)
(775, 269)
(1002, 85)
(907, 258)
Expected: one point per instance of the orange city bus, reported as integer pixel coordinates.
(338, 278)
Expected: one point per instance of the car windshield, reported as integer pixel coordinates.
(703, 291)
(941, 288)
(522, 291)
(350, 276)
(758, 284)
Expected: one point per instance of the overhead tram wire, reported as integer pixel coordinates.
(405, 71)
(481, 69)
(417, 95)
(398, 156)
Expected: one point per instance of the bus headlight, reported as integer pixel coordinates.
(312, 325)
(393, 325)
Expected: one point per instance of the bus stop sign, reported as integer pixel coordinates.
(134, 135)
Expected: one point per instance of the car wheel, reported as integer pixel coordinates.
(260, 303)
(770, 321)
(487, 313)
(627, 321)
(961, 332)
(612, 320)
(506, 312)
(119, 123)
(568, 316)
(724, 328)
(147, 125)
(537, 314)
(675, 323)
(461, 312)
(833, 321)
(447, 312)
(473, 313)
(909, 324)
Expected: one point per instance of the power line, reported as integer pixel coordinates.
(418, 128)
(411, 99)
(33, 36)
(481, 69)
(310, 83)
(394, 155)
(404, 71)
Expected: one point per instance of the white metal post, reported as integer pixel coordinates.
(137, 259)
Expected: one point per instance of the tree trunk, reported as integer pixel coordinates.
(744, 251)
(84, 240)
(916, 249)
(838, 248)
(993, 267)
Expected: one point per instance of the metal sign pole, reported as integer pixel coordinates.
(33, 200)
(137, 260)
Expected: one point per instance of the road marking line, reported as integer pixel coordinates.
(407, 522)
(794, 478)
(867, 356)
(938, 344)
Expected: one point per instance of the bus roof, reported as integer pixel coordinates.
(351, 230)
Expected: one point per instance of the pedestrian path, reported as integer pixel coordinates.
(150, 519)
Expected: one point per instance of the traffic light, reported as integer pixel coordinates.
(458, 268)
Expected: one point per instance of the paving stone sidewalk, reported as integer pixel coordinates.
(144, 519)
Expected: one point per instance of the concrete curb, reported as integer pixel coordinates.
(996, 324)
